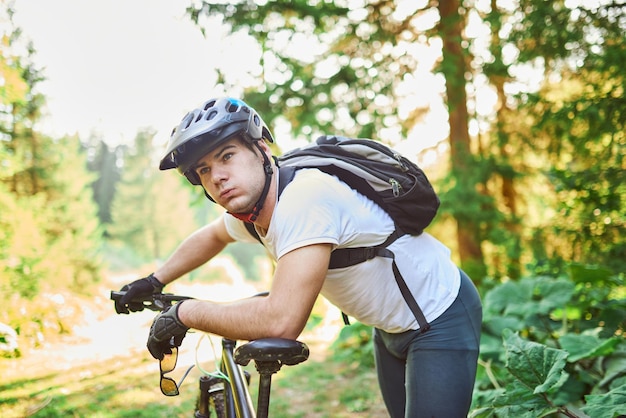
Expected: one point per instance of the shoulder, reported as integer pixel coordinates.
(313, 196)
(236, 229)
(312, 184)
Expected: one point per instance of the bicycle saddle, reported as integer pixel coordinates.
(289, 352)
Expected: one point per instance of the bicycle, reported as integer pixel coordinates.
(226, 393)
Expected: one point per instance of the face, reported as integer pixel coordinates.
(233, 176)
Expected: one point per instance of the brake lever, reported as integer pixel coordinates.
(159, 305)
(157, 302)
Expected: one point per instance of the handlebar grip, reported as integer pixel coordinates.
(117, 295)
(154, 302)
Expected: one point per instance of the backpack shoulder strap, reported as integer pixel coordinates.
(345, 257)
(285, 176)
(250, 227)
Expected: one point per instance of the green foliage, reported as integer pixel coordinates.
(123, 386)
(151, 210)
(103, 163)
(332, 68)
(355, 346)
(576, 123)
(49, 234)
(46, 216)
(563, 347)
(543, 183)
(49, 239)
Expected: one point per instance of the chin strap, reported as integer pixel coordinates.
(267, 168)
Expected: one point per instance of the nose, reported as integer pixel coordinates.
(217, 175)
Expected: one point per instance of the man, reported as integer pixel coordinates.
(222, 147)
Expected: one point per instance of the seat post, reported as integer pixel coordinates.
(269, 355)
(266, 369)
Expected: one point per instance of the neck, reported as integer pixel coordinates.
(265, 214)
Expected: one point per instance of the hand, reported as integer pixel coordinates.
(137, 289)
(167, 331)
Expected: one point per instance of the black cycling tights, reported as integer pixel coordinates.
(432, 374)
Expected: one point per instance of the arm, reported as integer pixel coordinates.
(297, 282)
(196, 250)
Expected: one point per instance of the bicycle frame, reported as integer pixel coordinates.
(231, 398)
(237, 400)
(269, 355)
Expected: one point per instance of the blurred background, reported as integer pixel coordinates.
(515, 109)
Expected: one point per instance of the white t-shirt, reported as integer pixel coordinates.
(317, 208)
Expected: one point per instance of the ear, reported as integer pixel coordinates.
(262, 145)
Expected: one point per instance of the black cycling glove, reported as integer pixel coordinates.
(135, 290)
(167, 331)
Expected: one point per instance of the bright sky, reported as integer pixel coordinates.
(116, 66)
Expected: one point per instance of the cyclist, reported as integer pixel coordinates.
(223, 147)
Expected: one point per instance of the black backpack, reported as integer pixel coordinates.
(395, 183)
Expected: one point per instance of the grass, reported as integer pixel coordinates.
(326, 388)
(127, 386)
(120, 387)
(104, 371)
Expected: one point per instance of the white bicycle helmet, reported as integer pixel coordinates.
(206, 127)
(203, 129)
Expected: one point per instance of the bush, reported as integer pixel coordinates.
(554, 346)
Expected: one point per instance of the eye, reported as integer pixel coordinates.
(202, 170)
(227, 156)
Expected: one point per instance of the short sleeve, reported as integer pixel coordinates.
(237, 230)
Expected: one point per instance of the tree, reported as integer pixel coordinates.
(463, 163)
(151, 210)
(573, 129)
(49, 234)
(53, 237)
(555, 127)
(103, 162)
(353, 70)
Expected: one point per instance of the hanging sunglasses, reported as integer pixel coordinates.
(169, 387)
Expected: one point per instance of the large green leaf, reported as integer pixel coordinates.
(518, 401)
(550, 294)
(528, 297)
(490, 346)
(539, 368)
(498, 299)
(608, 405)
(614, 366)
(587, 345)
(496, 324)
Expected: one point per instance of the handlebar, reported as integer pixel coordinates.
(154, 302)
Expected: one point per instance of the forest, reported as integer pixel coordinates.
(531, 174)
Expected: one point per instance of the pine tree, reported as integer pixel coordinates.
(151, 210)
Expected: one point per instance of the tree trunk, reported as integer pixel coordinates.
(454, 68)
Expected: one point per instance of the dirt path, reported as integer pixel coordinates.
(104, 335)
(107, 354)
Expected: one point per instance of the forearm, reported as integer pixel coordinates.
(297, 282)
(247, 319)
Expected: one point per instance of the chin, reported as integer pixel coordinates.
(232, 207)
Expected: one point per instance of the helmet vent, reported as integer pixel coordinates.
(188, 120)
(206, 127)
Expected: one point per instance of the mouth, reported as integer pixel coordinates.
(226, 192)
